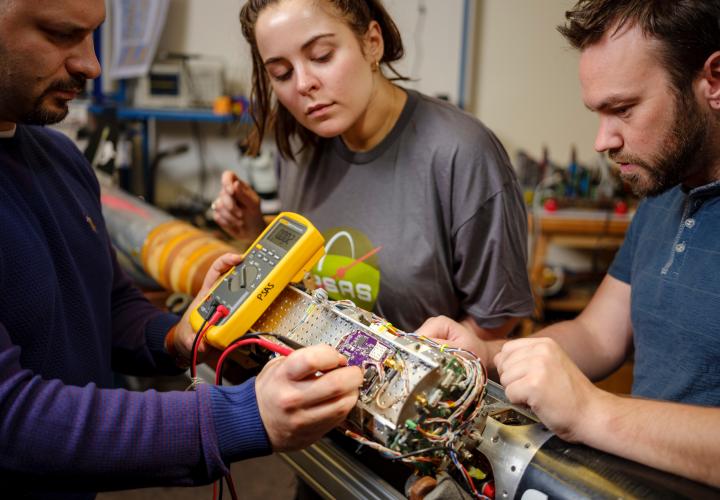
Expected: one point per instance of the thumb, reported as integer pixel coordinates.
(438, 327)
(305, 362)
(227, 180)
(220, 266)
(245, 195)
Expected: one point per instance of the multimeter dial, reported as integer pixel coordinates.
(259, 262)
(283, 253)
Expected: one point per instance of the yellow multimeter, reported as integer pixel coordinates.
(287, 249)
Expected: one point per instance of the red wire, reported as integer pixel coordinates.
(469, 479)
(270, 346)
(219, 314)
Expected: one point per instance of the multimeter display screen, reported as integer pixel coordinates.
(283, 237)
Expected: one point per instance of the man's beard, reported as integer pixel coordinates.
(682, 151)
(18, 103)
(40, 113)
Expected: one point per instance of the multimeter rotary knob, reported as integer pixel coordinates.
(243, 278)
(234, 283)
(251, 275)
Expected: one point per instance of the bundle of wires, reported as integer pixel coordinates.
(252, 339)
(439, 432)
(442, 434)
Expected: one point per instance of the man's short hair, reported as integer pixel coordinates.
(689, 30)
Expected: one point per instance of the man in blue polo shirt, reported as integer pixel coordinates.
(650, 69)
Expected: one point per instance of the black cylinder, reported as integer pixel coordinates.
(563, 470)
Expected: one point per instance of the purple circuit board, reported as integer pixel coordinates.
(360, 347)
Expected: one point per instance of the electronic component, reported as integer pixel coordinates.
(283, 253)
(415, 395)
(176, 83)
(432, 407)
(361, 348)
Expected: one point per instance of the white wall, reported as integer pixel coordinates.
(431, 30)
(210, 28)
(527, 87)
(432, 37)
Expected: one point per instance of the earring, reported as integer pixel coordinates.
(374, 66)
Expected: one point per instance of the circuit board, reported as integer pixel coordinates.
(362, 349)
(422, 403)
(400, 369)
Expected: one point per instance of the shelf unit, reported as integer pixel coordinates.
(116, 102)
(168, 114)
(578, 229)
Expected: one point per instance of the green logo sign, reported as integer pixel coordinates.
(350, 268)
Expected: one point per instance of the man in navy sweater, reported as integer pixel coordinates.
(69, 317)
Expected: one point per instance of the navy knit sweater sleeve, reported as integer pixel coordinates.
(68, 317)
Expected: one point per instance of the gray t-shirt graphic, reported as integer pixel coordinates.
(431, 221)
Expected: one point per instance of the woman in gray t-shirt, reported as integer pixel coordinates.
(418, 203)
